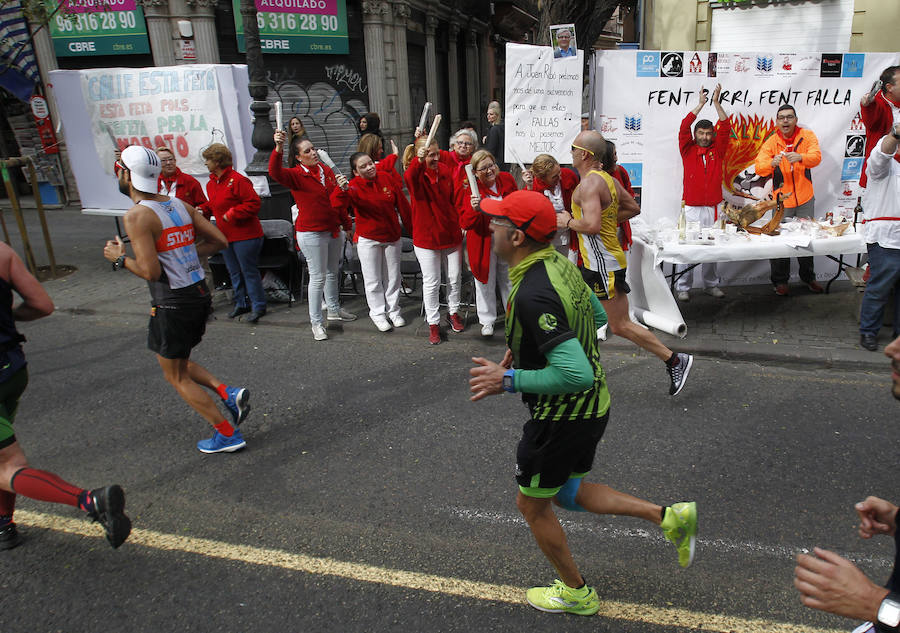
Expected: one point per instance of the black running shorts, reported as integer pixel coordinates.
(550, 452)
(606, 286)
(175, 331)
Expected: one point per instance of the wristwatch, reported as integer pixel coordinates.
(889, 611)
(509, 381)
(119, 263)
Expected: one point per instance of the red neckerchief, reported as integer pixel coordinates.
(169, 181)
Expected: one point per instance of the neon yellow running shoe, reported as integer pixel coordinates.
(680, 526)
(559, 598)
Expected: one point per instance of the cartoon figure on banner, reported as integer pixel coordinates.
(562, 38)
(739, 179)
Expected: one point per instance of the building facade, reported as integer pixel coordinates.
(384, 56)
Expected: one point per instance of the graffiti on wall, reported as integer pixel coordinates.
(341, 74)
(330, 119)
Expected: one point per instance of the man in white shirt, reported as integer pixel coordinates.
(882, 232)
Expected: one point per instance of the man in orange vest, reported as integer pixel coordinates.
(789, 155)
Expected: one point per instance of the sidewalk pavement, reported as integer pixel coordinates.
(750, 324)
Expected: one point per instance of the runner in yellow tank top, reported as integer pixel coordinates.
(602, 252)
(599, 205)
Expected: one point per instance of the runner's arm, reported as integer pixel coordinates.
(568, 371)
(145, 263)
(208, 239)
(36, 303)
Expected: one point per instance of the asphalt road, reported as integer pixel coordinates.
(373, 496)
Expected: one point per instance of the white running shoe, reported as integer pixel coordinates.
(684, 296)
(398, 321)
(487, 330)
(715, 291)
(319, 332)
(381, 323)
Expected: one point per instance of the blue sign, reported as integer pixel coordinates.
(647, 63)
(852, 65)
(852, 169)
(635, 173)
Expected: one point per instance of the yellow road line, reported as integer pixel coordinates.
(630, 611)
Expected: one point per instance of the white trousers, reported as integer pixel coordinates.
(432, 262)
(486, 294)
(380, 263)
(706, 216)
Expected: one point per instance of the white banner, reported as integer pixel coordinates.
(182, 107)
(177, 106)
(543, 103)
(641, 97)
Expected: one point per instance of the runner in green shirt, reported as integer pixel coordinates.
(551, 330)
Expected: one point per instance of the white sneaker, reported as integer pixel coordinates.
(381, 323)
(684, 296)
(487, 330)
(319, 332)
(398, 321)
(341, 315)
(715, 291)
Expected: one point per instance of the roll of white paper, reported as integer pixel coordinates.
(473, 184)
(675, 328)
(424, 116)
(279, 121)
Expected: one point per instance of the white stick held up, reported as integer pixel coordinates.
(424, 117)
(517, 159)
(279, 121)
(434, 128)
(473, 183)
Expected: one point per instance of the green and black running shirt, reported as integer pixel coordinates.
(549, 304)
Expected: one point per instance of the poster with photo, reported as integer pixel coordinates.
(562, 39)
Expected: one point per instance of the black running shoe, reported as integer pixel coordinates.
(679, 373)
(9, 536)
(109, 506)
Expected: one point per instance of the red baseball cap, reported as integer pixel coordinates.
(529, 211)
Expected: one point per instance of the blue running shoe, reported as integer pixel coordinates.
(218, 443)
(238, 403)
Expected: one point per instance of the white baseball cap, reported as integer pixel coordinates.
(144, 166)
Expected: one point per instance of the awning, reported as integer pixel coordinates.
(18, 66)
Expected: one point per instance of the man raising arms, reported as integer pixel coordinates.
(162, 232)
(599, 204)
(702, 156)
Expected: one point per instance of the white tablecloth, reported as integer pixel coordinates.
(744, 246)
(651, 300)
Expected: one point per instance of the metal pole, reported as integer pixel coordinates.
(32, 174)
(8, 183)
(17, 211)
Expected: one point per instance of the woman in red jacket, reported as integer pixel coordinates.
(557, 184)
(371, 144)
(318, 226)
(235, 204)
(437, 237)
(377, 201)
(491, 273)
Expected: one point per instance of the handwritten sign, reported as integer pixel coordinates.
(177, 107)
(543, 103)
